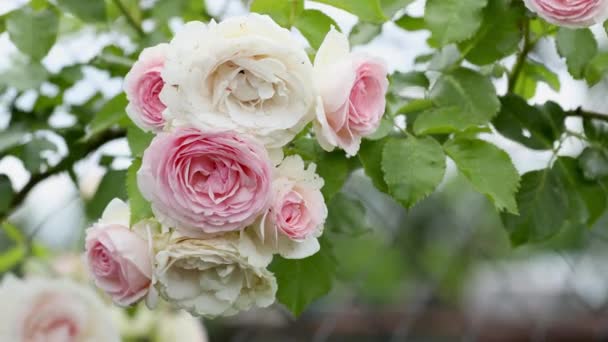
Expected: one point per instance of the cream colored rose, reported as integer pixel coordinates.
(245, 74)
(52, 310)
(211, 277)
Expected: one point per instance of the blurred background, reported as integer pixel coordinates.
(444, 270)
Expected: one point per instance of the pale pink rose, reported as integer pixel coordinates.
(52, 310)
(205, 183)
(570, 13)
(296, 217)
(118, 259)
(352, 88)
(143, 85)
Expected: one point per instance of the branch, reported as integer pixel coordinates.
(129, 18)
(79, 152)
(588, 115)
(521, 57)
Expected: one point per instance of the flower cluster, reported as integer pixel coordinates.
(223, 99)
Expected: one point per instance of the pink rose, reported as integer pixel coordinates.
(205, 183)
(353, 89)
(119, 260)
(142, 85)
(296, 216)
(52, 310)
(570, 13)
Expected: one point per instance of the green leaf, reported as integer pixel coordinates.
(314, 25)
(453, 21)
(578, 47)
(532, 73)
(138, 140)
(401, 80)
(551, 200)
(112, 113)
(488, 168)
(346, 216)
(302, 281)
(412, 168)
(465, 99)
(333, 167)
(366, 10)
(283, 12)
(12, 137)
(24, 75)
(6, 193)
(363, 33)
(140, 208)
(112, 185)
(391, 7)
(594, 162)
(34, 33)
(595, 130)
(596, 68)
(32, 153)
(11, 258)
(536, 128)
(410, 23)
(90, 10)
(370, 155)
(498, 35)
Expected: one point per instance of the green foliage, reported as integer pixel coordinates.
(412, 168)
(33, 32)
(531, 74)
(112, 113)
(346, 216)
(6, 193)
(91, 10)
(488, 168)
(138, 140)
(140, 208)
(578, 47)
(434, 110)
(314, 25)
(367, 10)
(10, 258)
(363, 33)
(499, 34)
(370, 155)
(552, 199)
(453, 21)
(594, 163)
(464, 99)
(536, 128)
(112, 185)
(302, 281)
(283, 12)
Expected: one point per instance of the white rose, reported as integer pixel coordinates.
(297, 214)
(211, 277)
(245, 74)
(53, 310)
